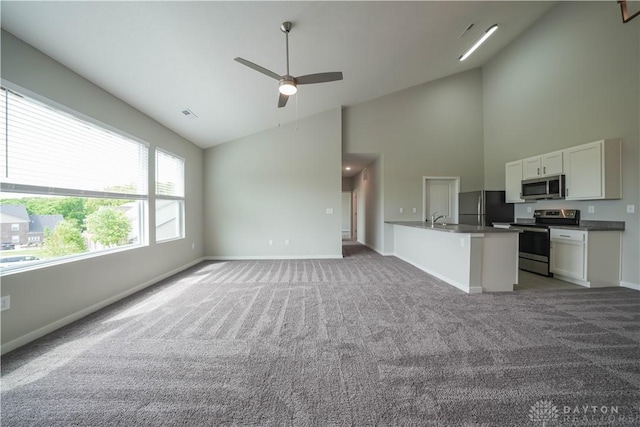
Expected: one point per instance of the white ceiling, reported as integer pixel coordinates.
(163, 57)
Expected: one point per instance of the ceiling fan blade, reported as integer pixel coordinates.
(258, 68)
(282, 100)
(319, 78)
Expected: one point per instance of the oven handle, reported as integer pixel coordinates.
(534, 229)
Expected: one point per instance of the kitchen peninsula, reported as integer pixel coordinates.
(472, 258)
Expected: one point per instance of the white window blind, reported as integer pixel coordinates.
(169, 175)
(50, 152)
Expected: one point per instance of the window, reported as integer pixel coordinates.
(169, 196)
(81, 188)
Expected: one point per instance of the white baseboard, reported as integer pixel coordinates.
(40, 332)
(269, 257)
(634, 286)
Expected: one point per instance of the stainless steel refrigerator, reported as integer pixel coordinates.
(483, 208)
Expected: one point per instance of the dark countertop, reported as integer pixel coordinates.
(452, 228)
(584, 225)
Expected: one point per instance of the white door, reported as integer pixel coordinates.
(441, 197)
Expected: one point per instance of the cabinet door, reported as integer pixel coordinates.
(568, 258)
(583, 171)
(513, 180)
(531, 168)
(552, 163)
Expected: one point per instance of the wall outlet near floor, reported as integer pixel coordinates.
(591, 209)
(329, 211)
(286, 242)
(528, 209)
(193, 246)
(415, 210)
(631, 208)
(5, 303)
(270, 242)
(401, 210)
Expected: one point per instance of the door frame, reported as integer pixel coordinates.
(455, 180)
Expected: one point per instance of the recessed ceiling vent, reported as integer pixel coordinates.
(189, 114)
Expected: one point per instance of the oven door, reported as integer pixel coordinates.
(534, 249)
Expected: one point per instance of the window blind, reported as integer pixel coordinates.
(47, 151)
(169, 175)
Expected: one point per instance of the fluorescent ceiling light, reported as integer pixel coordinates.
(348, 168)
(485, 36)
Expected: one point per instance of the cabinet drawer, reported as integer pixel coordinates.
(562, 234)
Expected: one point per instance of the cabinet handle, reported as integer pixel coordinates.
(538, 171)
(564, 235)
(566, 192)
(544, 170)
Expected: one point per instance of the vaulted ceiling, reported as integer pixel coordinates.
(164, 57)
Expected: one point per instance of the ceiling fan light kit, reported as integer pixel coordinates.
(288, 84)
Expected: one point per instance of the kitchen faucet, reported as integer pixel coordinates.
(435, 218)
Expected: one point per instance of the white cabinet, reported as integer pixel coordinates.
(513, 179)
(593, 171)
(587, 258)
(546, 164)
(568, 253)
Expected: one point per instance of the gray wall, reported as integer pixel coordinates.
(434, 129)
(276, 185)
(50, 297)
(572, 78)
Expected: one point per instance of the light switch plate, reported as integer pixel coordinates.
(631, 208)
(329, 211)
(591, 209)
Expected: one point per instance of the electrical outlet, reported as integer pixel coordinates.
(591, 209)
(5, 303)
(286, 242)
(329, 211)
(462, 243)
(415, 210)
(270, 242)
(631, 208)
(193, 246)
(528, 209)
(401, 210)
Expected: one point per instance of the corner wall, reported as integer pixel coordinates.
(276, 186)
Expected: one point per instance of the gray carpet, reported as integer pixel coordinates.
(367, 340)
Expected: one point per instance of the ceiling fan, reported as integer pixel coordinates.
(288, 83)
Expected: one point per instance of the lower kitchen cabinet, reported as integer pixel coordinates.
(587, 258)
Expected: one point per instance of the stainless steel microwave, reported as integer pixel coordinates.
(548, 187)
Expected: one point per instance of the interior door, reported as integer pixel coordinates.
(441, 197)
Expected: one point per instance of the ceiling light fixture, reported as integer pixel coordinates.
(288, 86)
(348, 168)
(492, 29)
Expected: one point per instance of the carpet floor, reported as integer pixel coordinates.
(366, 340)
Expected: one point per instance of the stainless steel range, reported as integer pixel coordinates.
(534, 238)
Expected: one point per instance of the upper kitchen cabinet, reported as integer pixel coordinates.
(513, 182)
(593, 171)
(546, 164)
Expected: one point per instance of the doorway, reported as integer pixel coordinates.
(440, 197)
